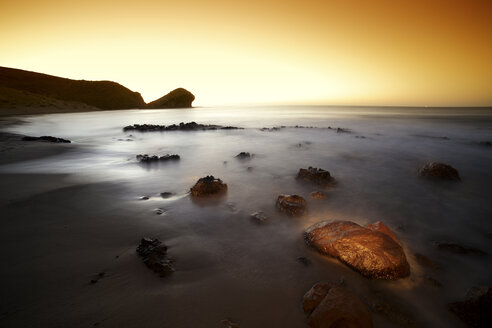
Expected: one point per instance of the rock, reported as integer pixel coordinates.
(317, 176)
(243, 155)
(425, 261)
(293, 205)
(192, 126)
(178, 98)
(144, 198)
(229, 323)
(259, 216)
(208, 186)
(304, 260)
(485, 143)
(46, 138)
(381, 227)
(317, 195)
(476, 310)
(391, 312)
(154, 158)
(166, 194)
(374, 254)
(332, 306)
(439, 170)
(457, 248)
(154, 255)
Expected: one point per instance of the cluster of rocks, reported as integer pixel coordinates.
(276, 128)
(315, 175)
(154, 158)
(47, 139)
(208, 186)
(154, 255)
(191, 126)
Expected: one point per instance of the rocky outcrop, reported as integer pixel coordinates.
(374, 254)
(155, 159)
(47, 139)
(317, 176)
(330, 305)
(208, 186)
(476, 309)
(293, 205)
(178, 98)
(440, 171)
(191, 126)
(154, 255)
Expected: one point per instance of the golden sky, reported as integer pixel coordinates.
(377, 52)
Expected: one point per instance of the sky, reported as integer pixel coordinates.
(347, 52)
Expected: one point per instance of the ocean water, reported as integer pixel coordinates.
(227, 265)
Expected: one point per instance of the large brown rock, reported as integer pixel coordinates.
(208, 186)
(332, 306)
(374, 254)
(292, 205)
(440, 171)
(317, 176)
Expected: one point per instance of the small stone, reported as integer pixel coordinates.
(440, 171)
(315, 175)
(208, 186)
(304, 260)
(317, 195)
(144, 198)
(293, 205)
(166, 194)
(243, 155)
(259, 216)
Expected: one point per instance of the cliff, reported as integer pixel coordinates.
(25, 92)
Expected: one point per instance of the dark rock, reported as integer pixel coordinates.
(46, 138)
(485, 143)
(425, 261)
(166, 194)
(243, 155)
(457, 248)
(144, 198)
(293, 205)
(154, 255)
(259, 216)
(304, 260)
(331, 306)
(192, 126)
(229, 324)
(249, 168)
(439, 170)
(178, 98)
(154, 158)
(317, 176)
(476, 310)
(317, 195)
(160, 211)
(374, 254)
(208, 186)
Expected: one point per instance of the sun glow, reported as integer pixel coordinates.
(321, 52)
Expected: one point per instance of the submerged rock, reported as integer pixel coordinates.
(243, 155)
(439, 170)
(293, 205)
(317, 176)
(259, 217)
(453, 247)
(46, 138)
(166, 194)
(317, 195)
(191, 126)
(154, 158)
(208, 186)
(476, 310)
(329, 305)
(374, 254)
(154, 255)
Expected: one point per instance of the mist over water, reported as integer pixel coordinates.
(229, 266)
